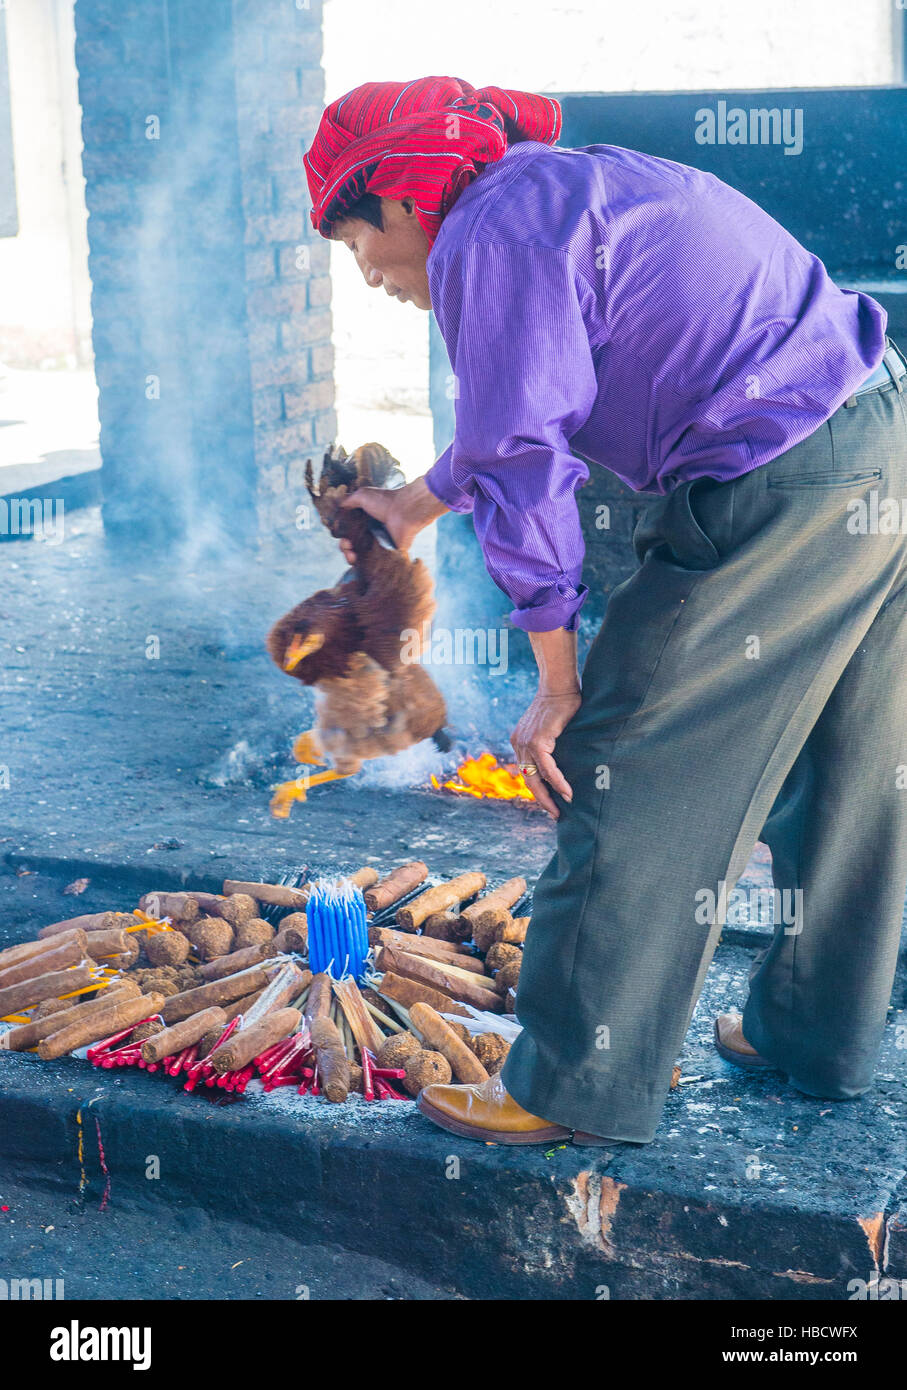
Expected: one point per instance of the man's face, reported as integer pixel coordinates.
(394, 258)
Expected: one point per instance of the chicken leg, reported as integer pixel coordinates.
(285, 793)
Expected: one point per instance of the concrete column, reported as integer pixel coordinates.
(608, 511)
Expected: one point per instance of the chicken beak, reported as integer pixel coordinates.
(300, 648)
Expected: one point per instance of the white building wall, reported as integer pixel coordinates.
(45, 314)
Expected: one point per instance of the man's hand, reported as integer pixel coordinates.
(405, 511)
(533, 741)
(554, 706)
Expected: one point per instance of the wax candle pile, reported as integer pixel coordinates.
(338, 935)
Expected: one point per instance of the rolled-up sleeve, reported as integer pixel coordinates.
(441, 483)
(524, 380)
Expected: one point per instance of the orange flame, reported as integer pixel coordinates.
(483, 777)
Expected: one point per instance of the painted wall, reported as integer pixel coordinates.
(45, 300)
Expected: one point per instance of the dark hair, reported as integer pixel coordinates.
(368, 208)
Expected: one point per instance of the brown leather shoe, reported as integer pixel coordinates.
(485, 1111)
(733, 1046)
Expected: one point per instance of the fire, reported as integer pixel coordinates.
(484, 777)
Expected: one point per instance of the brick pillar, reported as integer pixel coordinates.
(211, 296)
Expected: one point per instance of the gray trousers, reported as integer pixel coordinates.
(750, 678)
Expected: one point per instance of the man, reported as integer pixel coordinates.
(601, 305)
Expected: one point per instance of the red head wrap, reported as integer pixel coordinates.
(426, 140)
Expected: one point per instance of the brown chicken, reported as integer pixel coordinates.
(358, 643)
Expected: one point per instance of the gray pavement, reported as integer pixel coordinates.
(143, 724)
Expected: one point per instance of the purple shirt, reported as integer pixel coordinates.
(639, 312)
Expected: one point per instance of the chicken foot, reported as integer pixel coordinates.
(307, 749)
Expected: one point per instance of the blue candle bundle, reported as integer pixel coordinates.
(338, 937)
